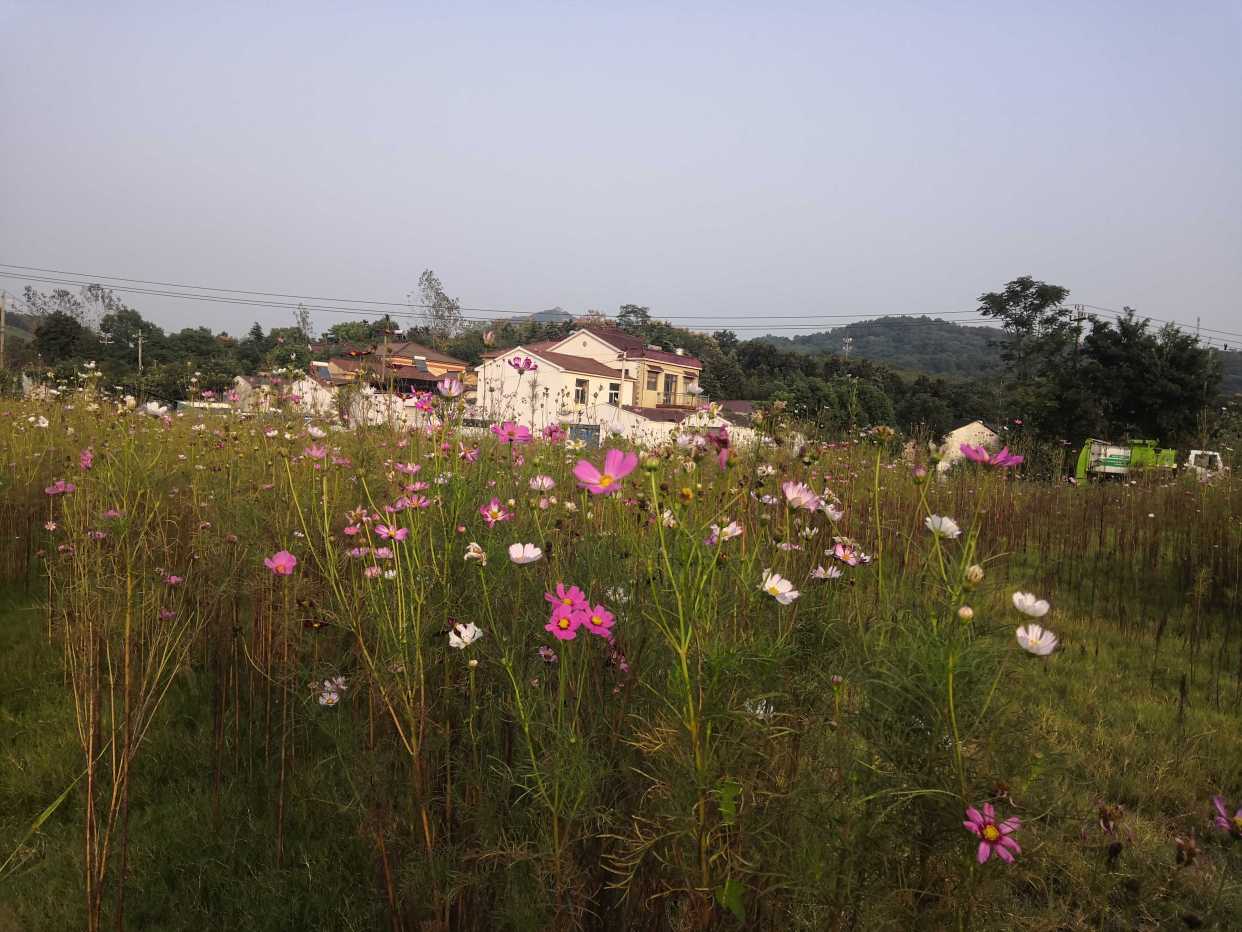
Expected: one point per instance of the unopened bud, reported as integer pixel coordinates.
(974, 574)
(966, 613)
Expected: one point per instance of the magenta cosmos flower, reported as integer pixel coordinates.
(1002, 460)
(994, 837)
(617, 465)
(571, 599)
(511, 432)
(564, 624)
(1226, 822)
(493, 512)
(599, 621)
(86, 459)
(281, 563)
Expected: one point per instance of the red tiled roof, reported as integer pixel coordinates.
(668, 415)
(410, 348)
(636, 348)
(581, 364)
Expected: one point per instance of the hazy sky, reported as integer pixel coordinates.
(725, 164)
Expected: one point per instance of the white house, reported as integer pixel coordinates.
(976, 433)
(597, 375)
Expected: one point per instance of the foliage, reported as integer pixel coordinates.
(724, 759)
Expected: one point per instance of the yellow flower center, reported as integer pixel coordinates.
(991, 833)
(567, 601)
(606, 480)
(595, 620)
(563, 624)
(1237, 823)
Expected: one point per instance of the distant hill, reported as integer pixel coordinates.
(919, 344)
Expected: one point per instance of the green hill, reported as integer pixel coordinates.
(918, 344)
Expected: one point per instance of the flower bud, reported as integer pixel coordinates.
(920, 474)
(966, 613)
(472, 663)
(974, 575)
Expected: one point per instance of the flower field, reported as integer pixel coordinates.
(269, 673)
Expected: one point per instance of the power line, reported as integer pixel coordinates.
(365, 311)
(250, 298)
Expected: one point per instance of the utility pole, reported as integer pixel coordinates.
(139, 353)
(3, 310)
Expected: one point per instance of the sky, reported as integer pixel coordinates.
(775, 167)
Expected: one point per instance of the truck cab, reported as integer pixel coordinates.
(1204, 463)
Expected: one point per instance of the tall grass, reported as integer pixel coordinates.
(723, 760)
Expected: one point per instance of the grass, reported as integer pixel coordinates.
(1107, 724)
(726, 760)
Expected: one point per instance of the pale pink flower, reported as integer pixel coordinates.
(281, 563)
(617, 465)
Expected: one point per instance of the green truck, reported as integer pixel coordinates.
(1101, 459)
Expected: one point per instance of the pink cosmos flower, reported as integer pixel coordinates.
(86, 459)
(281, 563)
(617, 465)
(173, 580)
(523, 364)
(994, 837)
(571, 599)
(60, 487)
(542, 483)
(599, 621)
(554, 433)
(564, 624)
(511, 432)
(494, 512)
(450, 387)
(316, 451)
(719, 438)
(408, 469)
(469, 454)
(1002, 460)
(389, 532)
(799, 495)
(1224, 821)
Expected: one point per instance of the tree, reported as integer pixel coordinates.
(634, 318)
(726, 340)
(60, 300)
(60, 337)
(442, 313)
(350, 331)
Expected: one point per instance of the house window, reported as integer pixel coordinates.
(580, 391)
(653, 381)
(670, 388)
(614, 393)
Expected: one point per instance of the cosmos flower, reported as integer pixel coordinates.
(389, 532)
(598, 620)
(994, 837)
(522, 554)
(943, 526)
(493, 513)
(1002, 460)
(799, 495)
(571, 599)
(564, 624)
(523, 364)
(617, 465)
(542, 483)
(831, 572)
(511, 432)
(1226, 822)
(86, 459)
(1027, 604)
(450, 387)
(462, 636)
(475, 552)
(1036, 640)
(281, 563)
(778, 587)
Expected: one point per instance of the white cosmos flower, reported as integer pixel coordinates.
(1027, 604)
(462, 636)
(834, 512)
(475, 552)
(524, 553)
(329, 697)
(943, 526)
(317, 432)
(778, 587)
(799, 495)
(832, 572)
(1037, 640)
